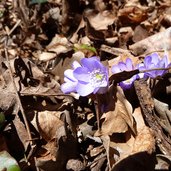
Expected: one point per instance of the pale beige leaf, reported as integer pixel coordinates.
(46, 56)
(47, 124)
(121, 146)
(119, 117)
(144, 141)
(59, 44)
(157, 42)
(101, 20)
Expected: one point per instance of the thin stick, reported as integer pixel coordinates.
(9, 33)
(41, 94)
(149, 53)
(98, 112)
(15, 26)
(17, 95)
(154, 69)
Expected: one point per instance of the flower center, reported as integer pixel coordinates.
(97, 78)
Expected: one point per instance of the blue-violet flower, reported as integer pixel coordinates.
(125, 66)
(154, 61)
(89, 77)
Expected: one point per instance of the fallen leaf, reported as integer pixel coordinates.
(59, 44)
(47, 123)
(100, 20)
(118, 117)
(46, 56)
(157, 42)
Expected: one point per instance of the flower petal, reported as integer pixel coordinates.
(122, 66)
(68, 87)
(82, 74)
(91, 63)
(115, 69)
(69, 75)
(84, 89)
(155, 58)
(75, 64)
(129, 64)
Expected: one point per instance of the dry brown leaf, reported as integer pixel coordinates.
(140, 33)
(47, 123)
(101, 20)
(132, 14)
(59, 44)
(122, 146)
(119, 116)
(21, 132)
(157, 42)
(45, 56)
(144, 141)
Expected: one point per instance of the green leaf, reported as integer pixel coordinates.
(8, 162)
(84, 47)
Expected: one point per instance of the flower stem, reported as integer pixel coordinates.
(148, 70)
(98, 112)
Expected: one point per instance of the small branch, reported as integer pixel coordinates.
(10, 32)
(41, 94)
(154, 69)
(98, 112)
(149, 53)
(14, 27)
(147, 105)
(18, 98)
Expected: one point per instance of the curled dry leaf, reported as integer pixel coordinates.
(101, 20)
(132, 14)
(47, 123)
(118, 117)
(121, 147)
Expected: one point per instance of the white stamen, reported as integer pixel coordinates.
(97, 78)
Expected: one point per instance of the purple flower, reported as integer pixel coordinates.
(89, 77)
(125, 66)
(154, 61)
(70, 81)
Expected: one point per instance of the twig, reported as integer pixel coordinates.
(18, 99)
(14, 27)
(149, 53)
(147, 104)
(98, 112)
(8, 34)
(154, 69)
(96, 160)
(41, 94)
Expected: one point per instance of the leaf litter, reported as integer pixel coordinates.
(51, 130)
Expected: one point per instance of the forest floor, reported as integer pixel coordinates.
(43, 128)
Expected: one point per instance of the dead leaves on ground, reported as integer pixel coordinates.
(42, 45)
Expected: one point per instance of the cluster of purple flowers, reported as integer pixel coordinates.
(91, 76)
(150, 68)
